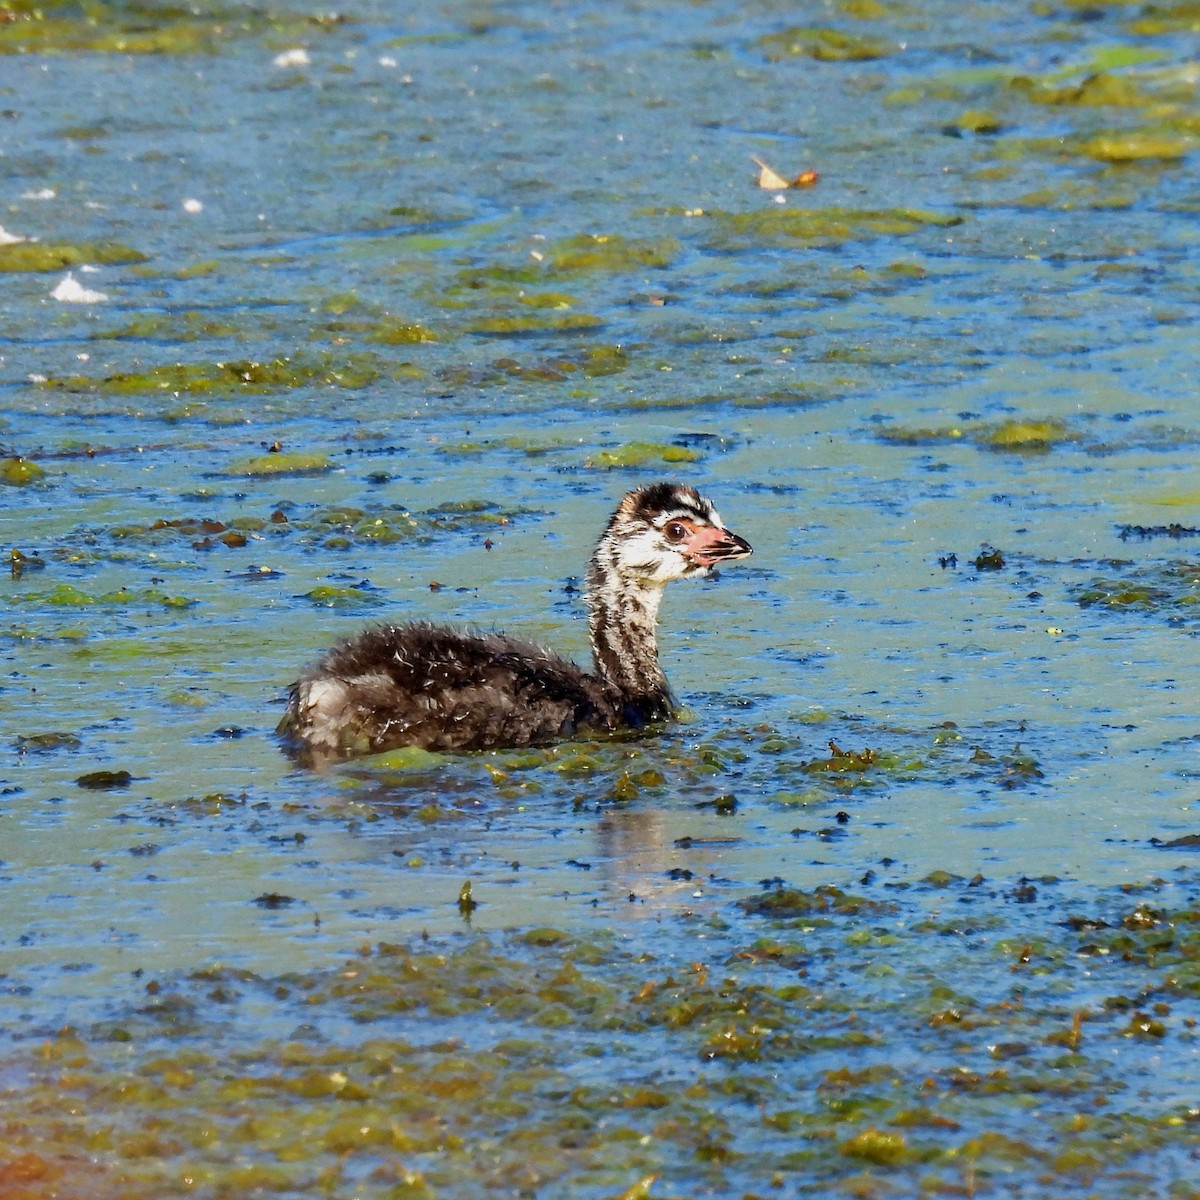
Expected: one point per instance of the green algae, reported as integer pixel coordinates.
(822, 44)
(827, 900)
(1122, 594)
(474, 1141)
(1155, 19)
(20, 472)
(641, 454)
(407, 758)
(336, 527)
(20, 257)
(555, 300)
(1171, 589)
(1102, 89)
(780, 769)
(882, 1147)
(130, 27)
(47, 743)
(788, 226)
(518, 287)
(591, 252)
(1074, 194)
(468, 1068)
(202, 269)
(284, 462)
(243, 375)
(104, 781)
(1131, 146)
(532, 447)
(177, 327)
(333, 596)
(979, 121)
(1015, 434)
(1097, 77)
(393, 332)
(65, 595)
(591, 362)
(547, 323)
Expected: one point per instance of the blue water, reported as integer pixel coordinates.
(838, 382)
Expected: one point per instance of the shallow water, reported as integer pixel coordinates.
(481, 268)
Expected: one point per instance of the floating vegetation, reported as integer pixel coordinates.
(1172, 589)
(342, 526)
(590, 363)
(16, 257)
(1154, 19)
(787, 226)
(988, 559)
(877, 1018)
(789, 903)
(329, 595)
(392, 332)
(825, 45)
(524, 326)
(1071, 195)
(1012, 769)
(105, 781)
(19, 563)
(778, 768)
(533, 447)
(133, 27)
(245, 375)
(18, 472)
(333, 528)
(1153, 531)
(1022, 435)
(202, 532)
(1128, 146)
(65, 595)
(174, 327)
(610, 252)
(977, 121)
(280, 463)
(47, 743)
(1103, 88)
(641, 454)
(1019, 434)
(840, 760)
(467, 1066)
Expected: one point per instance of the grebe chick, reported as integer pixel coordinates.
(442, 689)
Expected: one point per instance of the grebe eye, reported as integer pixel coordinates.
(676, 531)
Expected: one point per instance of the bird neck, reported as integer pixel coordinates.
(622, 619)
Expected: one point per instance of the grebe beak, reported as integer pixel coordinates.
(709, 545)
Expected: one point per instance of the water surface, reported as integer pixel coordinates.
(467, 274)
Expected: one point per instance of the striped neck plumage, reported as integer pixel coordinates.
(623, 619)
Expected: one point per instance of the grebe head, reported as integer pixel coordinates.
(669, 531)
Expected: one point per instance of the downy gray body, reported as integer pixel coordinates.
(442, 689)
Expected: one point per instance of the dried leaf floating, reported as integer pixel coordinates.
(770, 179)
(767, 177)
